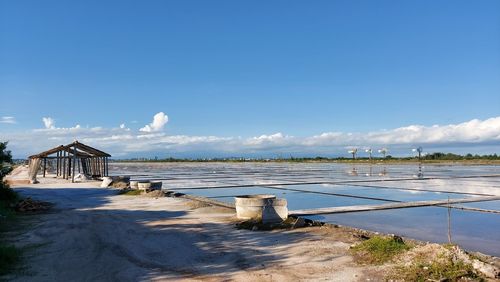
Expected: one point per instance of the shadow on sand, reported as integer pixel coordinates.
(94, 235)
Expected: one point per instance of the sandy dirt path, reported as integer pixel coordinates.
(92, 234)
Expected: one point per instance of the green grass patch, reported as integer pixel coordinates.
(378, 249)
(443, 269)
(10, 256)
(128, 192)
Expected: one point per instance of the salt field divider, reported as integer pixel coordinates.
(332, 194)
(472, 209)
(423, 190)
(206, 200)
(400, 205)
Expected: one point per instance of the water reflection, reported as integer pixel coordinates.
(383, 172)
(420, 173)
(353, 171)
(474, 230)
(370, 171)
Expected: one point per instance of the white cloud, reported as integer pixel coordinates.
(9, 120)
(124, 127)
(49, 123)
(474, 131)
(120, 142)
(274, 139)
(159, 121)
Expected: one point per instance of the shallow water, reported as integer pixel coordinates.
(471, 230)
(310, 186)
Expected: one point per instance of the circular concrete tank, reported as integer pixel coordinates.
(261, 207)
(144, 185)
(134, 185)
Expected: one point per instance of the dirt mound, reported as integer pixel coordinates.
(154, 194)
(30, 205)
(430, 258)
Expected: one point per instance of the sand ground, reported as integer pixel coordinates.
(93, 234)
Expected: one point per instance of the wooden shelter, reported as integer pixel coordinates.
(69, 160)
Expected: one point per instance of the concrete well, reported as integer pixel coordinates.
(144, 185)
(267, 208)
(134, 185)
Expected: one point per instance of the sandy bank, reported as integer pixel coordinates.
(93, 234)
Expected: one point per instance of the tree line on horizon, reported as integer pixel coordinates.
(437, 156)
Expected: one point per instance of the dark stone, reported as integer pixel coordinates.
(397, 239)
(300, 222)
(120, 182)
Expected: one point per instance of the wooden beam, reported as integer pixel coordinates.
(48, 152)
(91, 150)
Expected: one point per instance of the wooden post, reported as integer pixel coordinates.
(74, 165)
(69, 167)
(449, 221)
(98, 166)
(102, 166)
(64, 165)
(57, 164)
(44, 166)
(106, 166)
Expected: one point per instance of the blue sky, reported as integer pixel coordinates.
(243, 69)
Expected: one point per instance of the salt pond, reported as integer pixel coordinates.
(319, 185)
